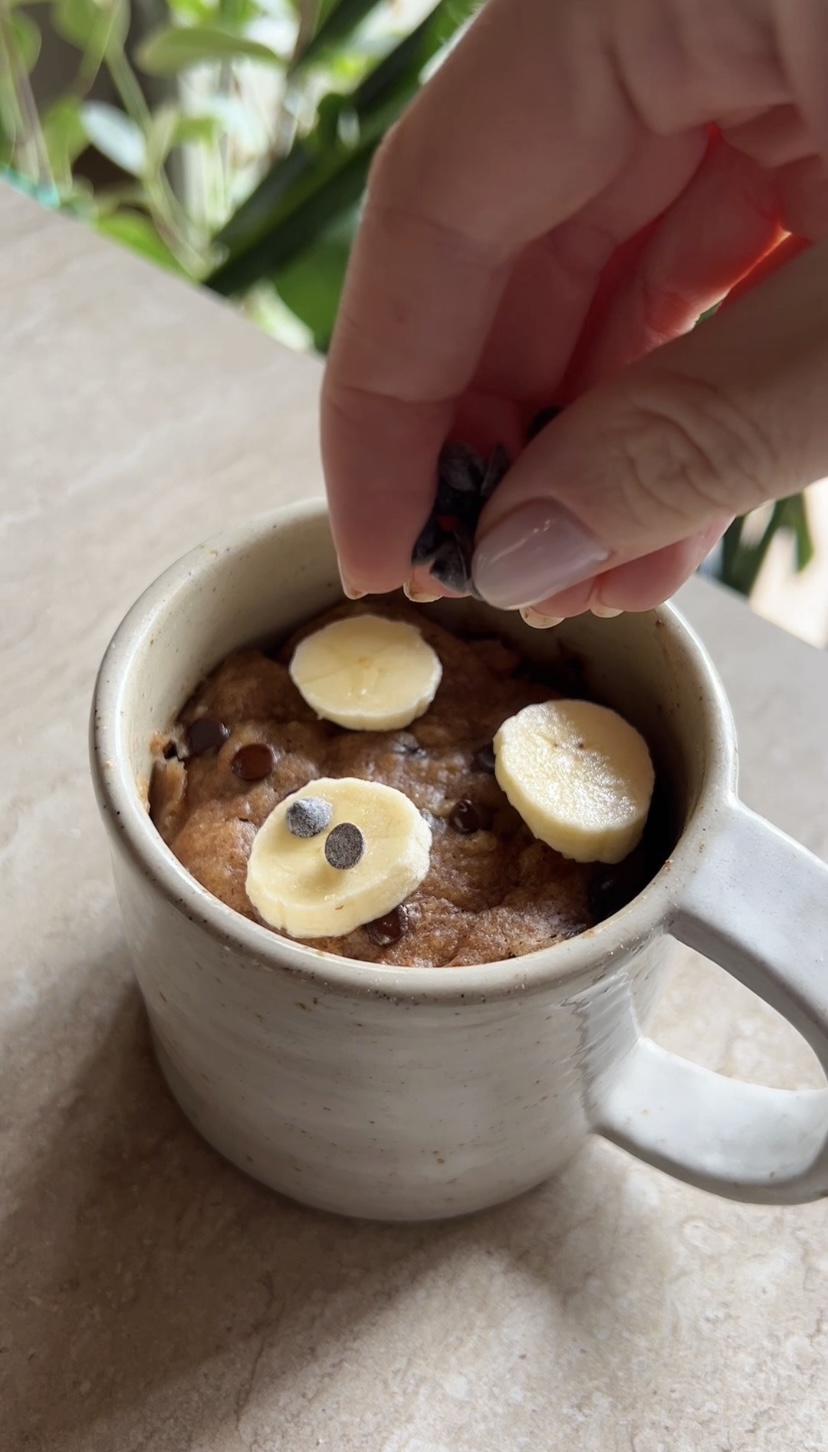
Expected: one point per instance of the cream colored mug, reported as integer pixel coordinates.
(424, 1092)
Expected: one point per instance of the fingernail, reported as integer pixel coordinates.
(533, 553)
(348, 589)
(605, 612)
(418, 597)
(537, 620)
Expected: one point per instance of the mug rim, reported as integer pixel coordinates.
(127, 818)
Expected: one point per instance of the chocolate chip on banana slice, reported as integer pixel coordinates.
(321, 886)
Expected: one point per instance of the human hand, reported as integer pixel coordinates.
(545, 224)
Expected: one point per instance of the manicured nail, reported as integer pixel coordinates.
(605, 612)
(533, 553)
(537, 620)
(418, 597)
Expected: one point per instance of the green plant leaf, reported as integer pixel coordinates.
(11, 121)
(193, 12)
(397, 77)
(64, 136)
(237, 13)
(311, 285)
(326, 133)
(112, 199)
(742, 559)
(346, 68)
(196, 128)
(375, 104)
(79, 201)
(306, 191)
(342, 17)
(323, 201)
(794, 516)
(174, 48)
(26, 39)
(236, 117)
(325, 8)
(729, 559)
(91, 24)
(116, 136)
(741, 563)
(252, 219)
(135, 230)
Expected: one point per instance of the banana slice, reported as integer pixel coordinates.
(306, 885)
(579, 775)
(367, 673)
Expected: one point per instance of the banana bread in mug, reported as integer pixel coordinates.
(267, 799)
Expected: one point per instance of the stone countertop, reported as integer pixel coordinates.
(151, 1297)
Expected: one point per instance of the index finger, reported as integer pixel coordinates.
(508, 139)
(535, 114)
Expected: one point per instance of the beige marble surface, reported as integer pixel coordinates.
(150, 1296)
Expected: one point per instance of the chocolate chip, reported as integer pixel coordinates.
(253, 762)
(484, 759)
(344, 846)
(308, 816)
(427, 544)
(206, 734)
(460, 469)
(541, 419)
(495, 470)
(388, 929)
(446, 542)
(467, 817)
(170, 752)
(451, 566)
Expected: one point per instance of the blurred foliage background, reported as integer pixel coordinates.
(230, 140)
(238, 132)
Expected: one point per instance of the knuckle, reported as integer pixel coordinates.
(688, 448)
(666, 311)
(580, 250)
(417, 198)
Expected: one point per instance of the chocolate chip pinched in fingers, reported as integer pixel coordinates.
(440, 826)
(466, 482)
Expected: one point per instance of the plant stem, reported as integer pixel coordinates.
(167, 213)
(225, 84)
(284, 128)
(126, 84)
(29, 147)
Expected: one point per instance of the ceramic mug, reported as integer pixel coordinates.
(425, 1092)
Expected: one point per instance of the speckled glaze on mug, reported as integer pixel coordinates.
(427, 1092)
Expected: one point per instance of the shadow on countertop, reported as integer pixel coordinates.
(153, 1289)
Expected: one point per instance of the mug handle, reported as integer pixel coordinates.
(757, 905)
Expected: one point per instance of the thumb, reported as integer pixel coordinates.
(713, 424)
